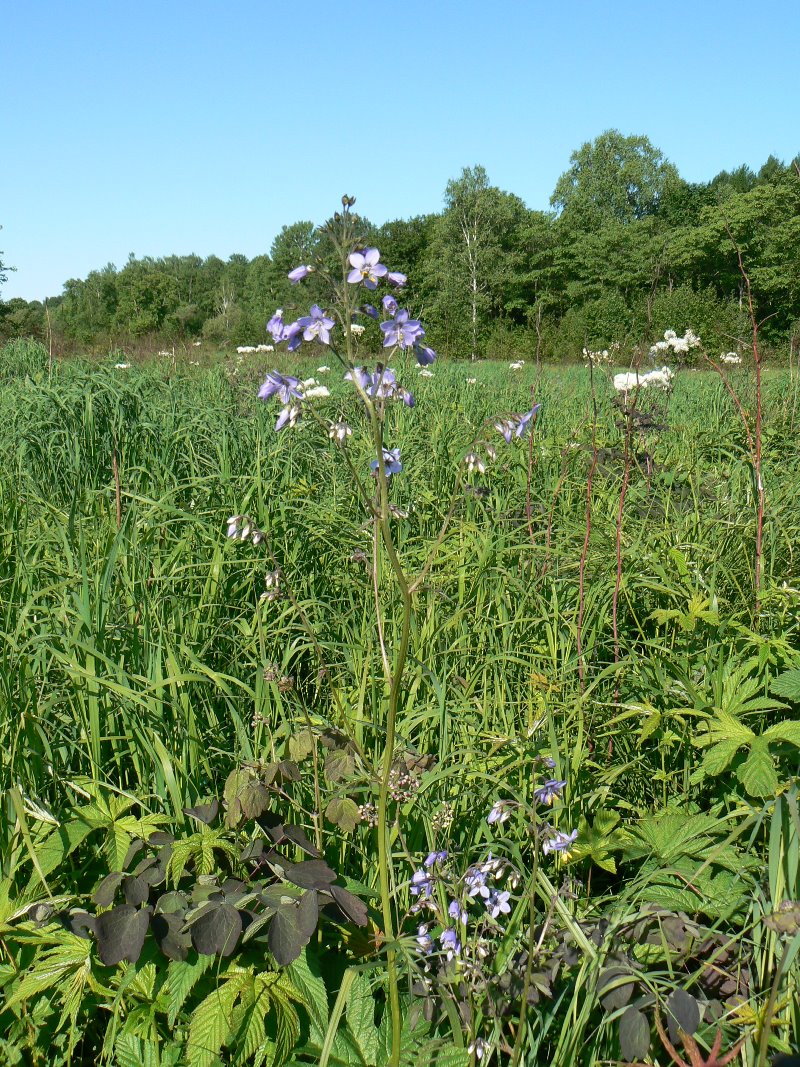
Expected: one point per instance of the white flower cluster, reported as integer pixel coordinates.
(246, 350)
(312, 390)
(518, 364)
(657, 379)
(356, 329)
(424, 372)
(673, 343)
(730, 357)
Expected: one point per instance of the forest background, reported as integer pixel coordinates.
(628, 250)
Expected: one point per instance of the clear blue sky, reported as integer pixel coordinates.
(175, 127)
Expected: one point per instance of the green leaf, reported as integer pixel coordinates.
(361, 1019)
(211, 1022)
(338, 765)
(304, 972)
(182, 977)
(598, 840)
(757, 773)
(787, 685)
(788, 731)
(343, 812)
(717, 758)
(301, 745)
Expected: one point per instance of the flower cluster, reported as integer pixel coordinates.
(675, 344)
(627, 381)
(546, 793)
(242, 528)
(400, 331)
(730, 357)
(600, 359)
(380, 384)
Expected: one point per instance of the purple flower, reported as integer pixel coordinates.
(368, 309)
(436, 857)
(276, 326)
(475, 881)
(548, 792)
(284, 386)
(366, 268)
(457, 912)
(424, 939)
(497, 904)
(559, 842)
(391, 464)
(522, 424)
(289, 416)
(548, 761)
(316, 325)
(396, 278)
(450, 943)
(515, 425)
(421, 884)
(401, 330)
(299, 273)
(389, 304)
(380, 385)
(499, 812)
(424, 354)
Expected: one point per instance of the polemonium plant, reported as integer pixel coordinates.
(333, 324)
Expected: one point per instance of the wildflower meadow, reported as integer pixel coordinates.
(364, 707)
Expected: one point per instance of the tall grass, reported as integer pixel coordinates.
(133, 654)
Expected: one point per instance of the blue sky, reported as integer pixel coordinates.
(177, 127)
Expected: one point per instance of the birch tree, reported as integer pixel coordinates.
(474, 258)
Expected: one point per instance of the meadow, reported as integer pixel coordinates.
(195, 703)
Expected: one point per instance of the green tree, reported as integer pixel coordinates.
(613, 179)
(475, 257)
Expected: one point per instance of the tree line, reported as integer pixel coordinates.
(628, 250)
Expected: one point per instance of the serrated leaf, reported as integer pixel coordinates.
(182, 977)
(292, 926)
(634, 1035)
(121, 933)
(254, 799)
(301, 745)
(338, 765)
(787, 685)
(360, 1008)
(211, 1022)
(788, 731)
(718, 757)
(343, 812)
(305, 975)
(757, 773)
